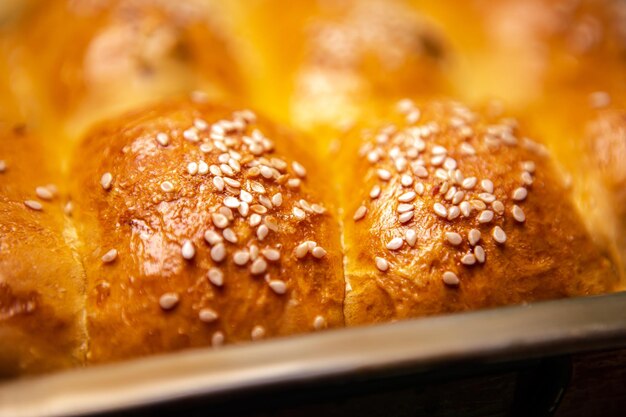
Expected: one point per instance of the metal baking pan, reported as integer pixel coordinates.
(234, 374)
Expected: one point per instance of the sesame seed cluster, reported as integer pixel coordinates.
(410, 166)
(249, 202)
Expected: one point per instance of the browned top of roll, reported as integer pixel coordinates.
(86, 60)
(457, 210)
(41, 280)
(202, 225)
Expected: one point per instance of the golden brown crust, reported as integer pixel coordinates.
(544, 251)
(104, 57)
(148, 226)
(41, 281)
(341, 59)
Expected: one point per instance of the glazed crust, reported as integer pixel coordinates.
(148, 227)
(41, 280)
(342, 59)
(103, 57)
(548, 254)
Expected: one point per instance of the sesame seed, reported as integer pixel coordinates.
(487, 197)
(454, 238)
(449, 164)
(299, 213)
(479, 252)
(419, 188)
(69, 208)
(520, 194)
(383, 174)
(191, 135)
(465, 208)
(277, 199)
(450, 278)
(218, 182)
(110, 256)
(403, 208)
(518, 214)
(106, 180)
(453, 213)
(375, 192)
(528, 166)
(458, 197)
(437, 160)
(231, 202)
(219, 220)
(33, 205)
(258, 332)
(468, 259)
(278, 286)
(203, 168)
(407, 197)
(420, 171)
(498, 207)
(319, 322)
(410, 236)
(487, 186)
(439, 150)
(241, 257)
(192, 168)
(395, 243)
(271, 254)
(467, 149)
(259, 266)
(318, 252)
(44, 193)
(255, 220)
(218, 252)
(406, 217)
(206, 315)
(212, 237)
(526, 178)
(485, 216)
(469, 183)
(406, 180)
(498, 234)
(230, 235)
(188, 250)
(301, 250)
(168, 301)
(381, 264)
(298, 169)
(163, 139)
(261, 232)
(599, 99)
(441, 174)
(440, 210)
(217, 339)
(216, 277)
(360, 213)
(167, 186)
(473, 236)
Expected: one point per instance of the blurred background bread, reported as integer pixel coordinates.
(404, 158)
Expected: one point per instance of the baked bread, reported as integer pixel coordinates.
(102, 57)
(178, 218)
(202, 225)
(457, 209)
(41, 278)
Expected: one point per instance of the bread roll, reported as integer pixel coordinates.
(331, 62)
(457, 211)
(86, 60)
(41, 279)
(201, 225)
